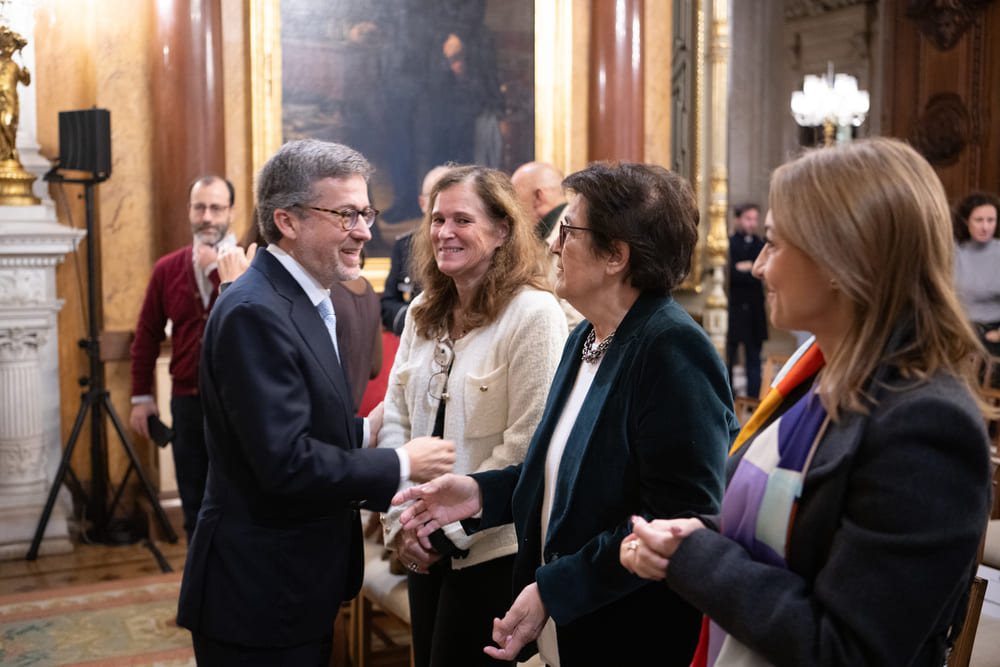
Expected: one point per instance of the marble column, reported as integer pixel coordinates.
(32, 243)
(616, 130)
(188, 110)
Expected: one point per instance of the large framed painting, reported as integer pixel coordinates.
(414, 83)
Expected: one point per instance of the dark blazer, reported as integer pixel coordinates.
(882, 547)
(278, 542)
(747, 319)
(650, 439)
(400, 286)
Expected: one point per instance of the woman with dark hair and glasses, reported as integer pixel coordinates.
(478, 351)
(637, 422)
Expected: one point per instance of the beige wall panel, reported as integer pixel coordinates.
(657, 28)
(97, 53)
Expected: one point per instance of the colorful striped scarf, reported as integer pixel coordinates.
(761, 498)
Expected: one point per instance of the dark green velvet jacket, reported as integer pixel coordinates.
(651, 439)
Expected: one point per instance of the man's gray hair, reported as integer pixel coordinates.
(288, 178)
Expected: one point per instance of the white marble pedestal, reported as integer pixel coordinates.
(32, 243)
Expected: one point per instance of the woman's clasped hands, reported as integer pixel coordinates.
(647, 551)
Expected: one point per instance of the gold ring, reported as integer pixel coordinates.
(413, 567)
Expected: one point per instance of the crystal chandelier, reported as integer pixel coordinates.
(830, 101)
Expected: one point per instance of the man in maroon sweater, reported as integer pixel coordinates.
(183, 289)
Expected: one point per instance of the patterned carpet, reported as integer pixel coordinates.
(128, 622)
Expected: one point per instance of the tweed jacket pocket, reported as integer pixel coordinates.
(486, 403)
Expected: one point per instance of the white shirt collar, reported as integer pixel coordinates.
(309, 285)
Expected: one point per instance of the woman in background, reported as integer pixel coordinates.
(478, 351)
(977, 265)
(858, 491)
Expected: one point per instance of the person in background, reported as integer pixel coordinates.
(400, 287)
(359, 332)
(858, 492)
(539, 188)
(183, 289)
(278, 543)
(977, 265)
(478, 351)
(747, 320)
(637, 422)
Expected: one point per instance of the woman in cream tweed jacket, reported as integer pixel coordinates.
(478, 351)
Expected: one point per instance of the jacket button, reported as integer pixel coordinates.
(482, 387)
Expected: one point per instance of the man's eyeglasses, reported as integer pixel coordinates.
(564, 231)
(214, 209)
(349, 216)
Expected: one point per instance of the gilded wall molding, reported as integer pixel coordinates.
(715, 319)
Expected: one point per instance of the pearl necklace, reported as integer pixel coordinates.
(592, 350)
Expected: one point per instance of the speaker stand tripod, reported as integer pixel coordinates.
(96, 401)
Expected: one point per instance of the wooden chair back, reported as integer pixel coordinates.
(961, 653)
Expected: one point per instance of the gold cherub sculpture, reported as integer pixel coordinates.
(15, 182)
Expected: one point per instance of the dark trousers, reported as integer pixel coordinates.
(190, 456)
(452, 612)
(211, 653)
(751, 350)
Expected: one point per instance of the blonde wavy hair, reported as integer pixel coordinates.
(873, 215)
(518, 262)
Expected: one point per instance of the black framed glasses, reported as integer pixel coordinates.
(564, 231)
(349, 216)
(444, 354)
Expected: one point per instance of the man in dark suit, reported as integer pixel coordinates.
(747, 320)
(278, 542)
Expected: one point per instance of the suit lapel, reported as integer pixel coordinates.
(307, 321)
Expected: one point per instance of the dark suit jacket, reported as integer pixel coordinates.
(882, 547)
(400, 286)
(747, 319)
(278, 542)
(650, 439)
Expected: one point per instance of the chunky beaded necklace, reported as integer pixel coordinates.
(592, 350)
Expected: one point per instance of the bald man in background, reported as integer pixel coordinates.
(539, 188)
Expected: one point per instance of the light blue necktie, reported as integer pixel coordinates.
(325, 308)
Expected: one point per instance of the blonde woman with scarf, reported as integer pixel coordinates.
(857, 494)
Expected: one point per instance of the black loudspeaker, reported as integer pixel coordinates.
(85, 141)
